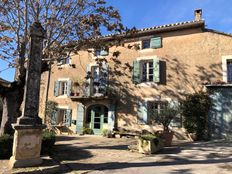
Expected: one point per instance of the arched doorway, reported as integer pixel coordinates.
(97, 118)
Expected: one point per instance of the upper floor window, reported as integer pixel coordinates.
(155, 42)
(101, 52)
(229, 70)
(64, 61)
(146, 71)
(145, 43)
(62, 87)
(98, 81)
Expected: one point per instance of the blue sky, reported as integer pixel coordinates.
(147, 13)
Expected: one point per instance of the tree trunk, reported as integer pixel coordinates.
(9, 114)
(12, 100)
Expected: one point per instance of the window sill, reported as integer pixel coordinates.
(146, 50)
(147, 84)
(99, 57)
(62, 96)
(66, 65)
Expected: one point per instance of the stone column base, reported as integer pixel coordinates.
(27, 146)
(25, 162)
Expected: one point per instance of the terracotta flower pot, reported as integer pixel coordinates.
(167, 137)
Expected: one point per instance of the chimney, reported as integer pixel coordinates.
(198, 14)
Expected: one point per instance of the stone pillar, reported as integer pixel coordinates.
(28, 129)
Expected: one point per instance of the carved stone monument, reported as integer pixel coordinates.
(28, 129)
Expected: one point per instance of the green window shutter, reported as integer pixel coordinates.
(69, 87)
(104, 78)
(155, 42)
(104, 53)
(56, 88)
(88, 87)
(156, 70)
(53, 118)
(142, 113)
(136, 72)
(68, 117)
(80, 118)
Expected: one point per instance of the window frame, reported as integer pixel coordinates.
(63, 88)
(146, 43)
(147, 73)
(64, 61)
(97, 52)
(225, 68)
(229, 68)
(161, 104)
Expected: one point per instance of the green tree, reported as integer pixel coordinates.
(165, 115)
(195, 109)
(69, 24)
(51, 107)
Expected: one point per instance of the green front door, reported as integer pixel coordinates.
(98, 113)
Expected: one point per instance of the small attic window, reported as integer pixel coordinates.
(155, 42)
(101, 52)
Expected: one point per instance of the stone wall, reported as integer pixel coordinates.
(190, 57)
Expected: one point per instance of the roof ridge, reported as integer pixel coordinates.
(169, 25)
(157, 27)
(219, 32)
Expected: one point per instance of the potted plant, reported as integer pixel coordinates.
(78, 87)
(164, 116)
(149, 143)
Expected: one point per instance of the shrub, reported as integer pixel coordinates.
(104, 132)
(107, 133)
(48, 141)
(6, 144)
(166, 115)
(150, 137)
(195, 109)
(86, 130)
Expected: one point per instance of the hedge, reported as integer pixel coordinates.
(6, 144)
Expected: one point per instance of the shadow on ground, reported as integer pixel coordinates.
(81, 154)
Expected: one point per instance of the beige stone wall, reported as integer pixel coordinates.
(192, 57)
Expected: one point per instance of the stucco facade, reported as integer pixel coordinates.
(189, 56)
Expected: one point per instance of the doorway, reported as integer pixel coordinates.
(97, 118)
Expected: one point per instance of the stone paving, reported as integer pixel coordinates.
(99, 155)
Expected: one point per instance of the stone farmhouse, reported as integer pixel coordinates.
(117, 87)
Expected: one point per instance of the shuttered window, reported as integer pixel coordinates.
(146, 71)
(99, 80)
(64, 60)
(155, 42)
(62, 117)
(148, 109)
(62, 88)
(101, 52)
